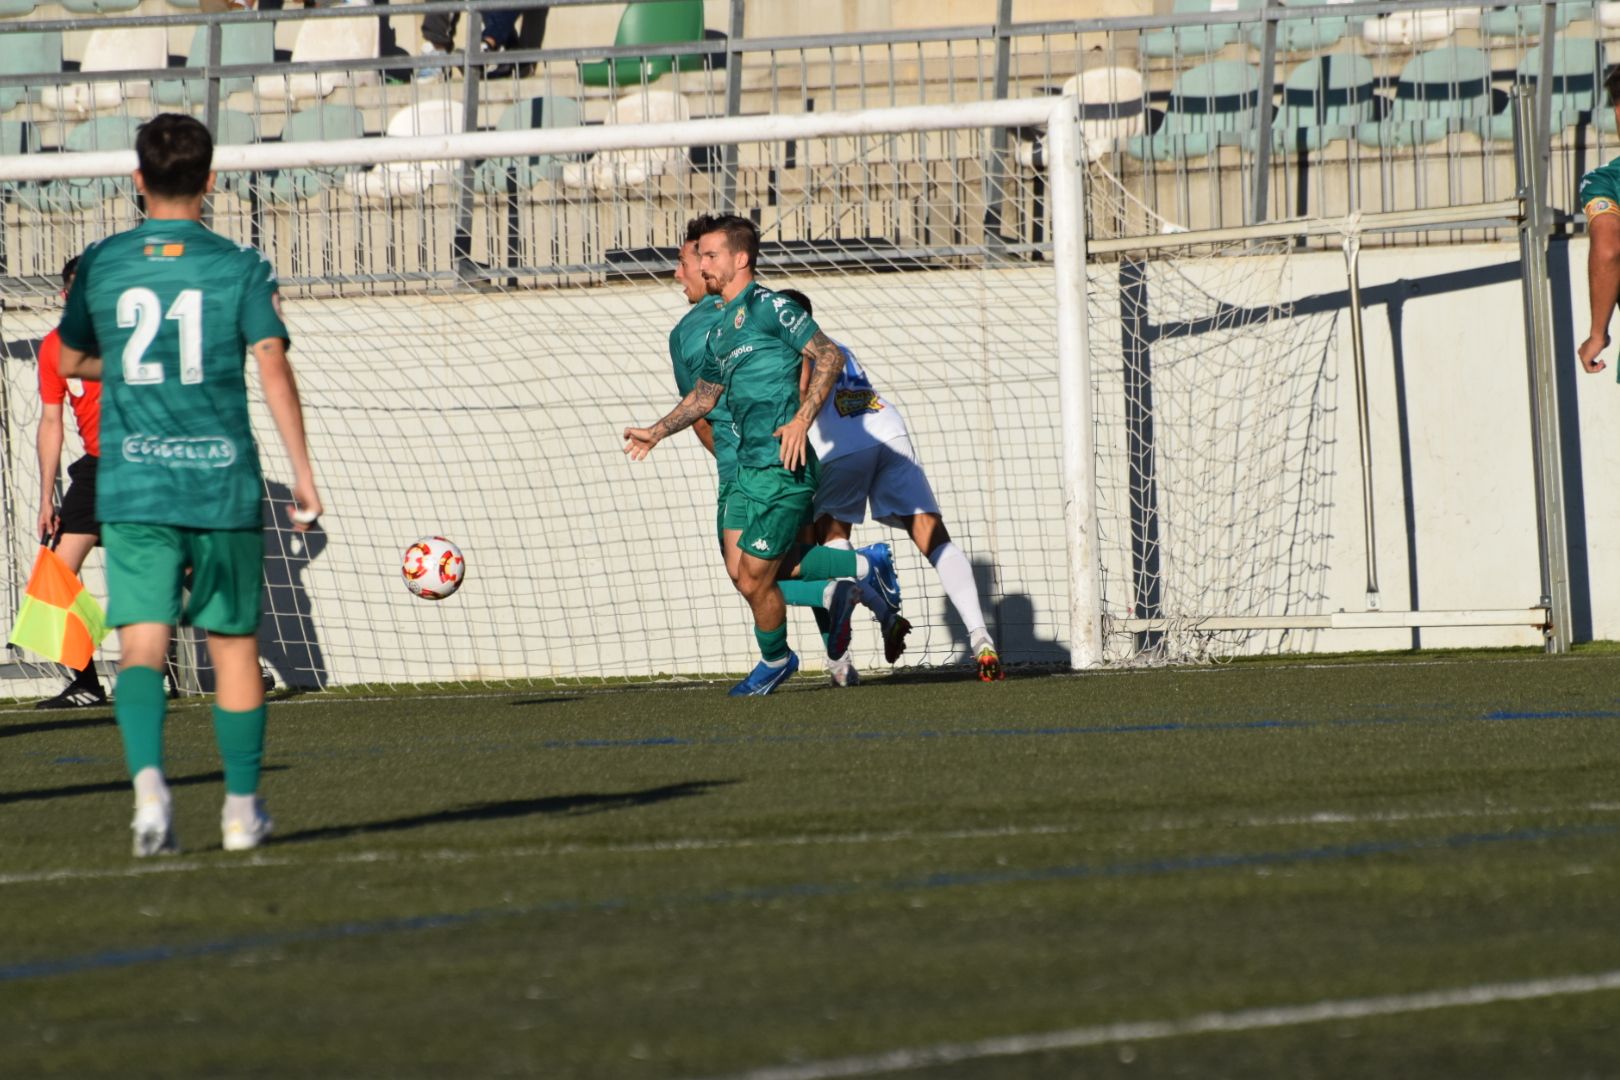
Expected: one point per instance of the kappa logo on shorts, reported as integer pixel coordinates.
(761, 544)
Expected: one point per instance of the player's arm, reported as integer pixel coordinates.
(638, 442)
(1602, 278)
(824, 361)
(281, 395)
(48, 441)
(75, 364)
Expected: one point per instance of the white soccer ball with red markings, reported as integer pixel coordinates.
(433, 568)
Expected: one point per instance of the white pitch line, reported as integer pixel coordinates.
(906, 1060)
(262, 860)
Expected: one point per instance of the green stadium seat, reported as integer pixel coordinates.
(1323, 100)
(1439, 93)
(670, 21)
(59, 196)
(1577, 86)
(311, 125)
(1308, 35)
(1524, 20)
(13, 9)
(100, 7)
(28, 54)
(188, 5)
(502, 175)
(240, 43)
(1196, 40)
(1210, 104)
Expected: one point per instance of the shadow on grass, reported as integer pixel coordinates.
(583, 803)
(114, 786)
(37, 726)
(544, 701)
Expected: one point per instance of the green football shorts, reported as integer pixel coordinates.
(146, 570)
(730, 510)
(776, 505)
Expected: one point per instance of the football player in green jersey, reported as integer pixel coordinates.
(1600, 199)
(753, 356)
(177, 309)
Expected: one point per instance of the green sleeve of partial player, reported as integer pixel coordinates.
(1601, 187)
(260, 313)
(77, 330)
(685, 377)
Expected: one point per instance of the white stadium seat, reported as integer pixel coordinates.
(396, 178)
(1419, 27)
(128, 49)
(325, 39)
(613, 169)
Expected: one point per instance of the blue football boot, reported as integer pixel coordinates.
(764, 678)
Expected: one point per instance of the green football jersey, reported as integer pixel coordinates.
(171, 309)
(754, 352)
(688, 348)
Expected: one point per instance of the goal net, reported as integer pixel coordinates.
(476, 318)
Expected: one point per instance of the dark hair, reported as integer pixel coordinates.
(741, 235)
(798, 298)
(175, 153)
(68, 268)
(700, 226)
(1611, 83)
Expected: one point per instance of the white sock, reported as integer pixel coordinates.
(774, 664)
(956, 574)
(240, 807)
(827, 595)
(150, 786)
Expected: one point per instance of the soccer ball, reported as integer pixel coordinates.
(433, 568)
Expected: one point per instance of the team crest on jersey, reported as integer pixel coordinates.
(742, 313)
(855, 402)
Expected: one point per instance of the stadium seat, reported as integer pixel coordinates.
(1577, 85)
(311, 125)
(1439, 92)
(395, 178)
(1113, 107)
(612, 169)
(240, 43)
(1323, 100)
(325, 39)
(1196, 40)
(57, 196)
(1608, 13)
(649, 24)
(1418, 27)
(500, 175)
(99, 7)
(1307, 35)
(1524, 20)
(188, 5)
(235, 129)
(28, 54)
(1209, 104)
(126, 49)
(13, 9)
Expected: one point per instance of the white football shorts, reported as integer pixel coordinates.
(887, 475)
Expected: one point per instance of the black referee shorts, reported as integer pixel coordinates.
(79, 504)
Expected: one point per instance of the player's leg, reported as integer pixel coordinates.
(227, 578)
(902, 496)
(831, 601)
(144, 567)
(78, 536)
(775, 502)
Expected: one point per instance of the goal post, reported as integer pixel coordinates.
(1130, 427)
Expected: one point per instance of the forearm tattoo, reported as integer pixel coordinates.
(826, 361)
(693, 407)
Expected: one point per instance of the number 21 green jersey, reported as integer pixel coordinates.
(171, 308)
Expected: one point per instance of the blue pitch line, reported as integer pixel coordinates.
(805, 890)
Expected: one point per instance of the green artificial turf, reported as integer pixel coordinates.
(621, 882)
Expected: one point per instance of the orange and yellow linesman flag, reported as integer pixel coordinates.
(59, 619)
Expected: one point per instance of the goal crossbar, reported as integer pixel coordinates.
(722, 131)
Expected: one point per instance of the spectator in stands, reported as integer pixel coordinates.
(501, 31)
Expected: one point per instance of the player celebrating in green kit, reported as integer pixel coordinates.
(754, 353)
(176, 308)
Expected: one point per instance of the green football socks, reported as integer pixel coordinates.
(821, 563)
(241, 746)
(139, 704)
(773, 644)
